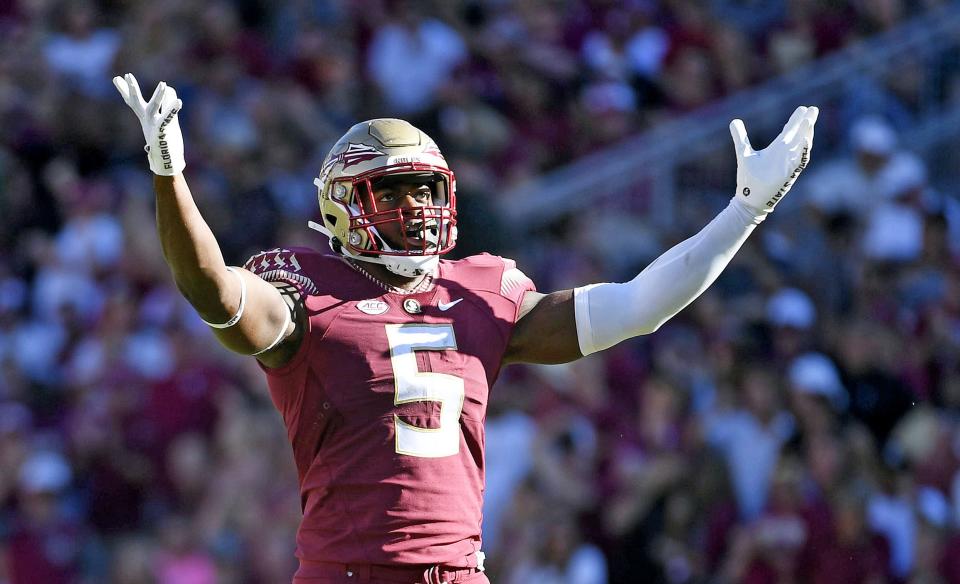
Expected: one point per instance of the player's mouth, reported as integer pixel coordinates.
(420, 234)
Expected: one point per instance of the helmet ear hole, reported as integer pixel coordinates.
(331, 218)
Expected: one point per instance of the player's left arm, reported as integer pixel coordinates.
(546, 331)
(564, 326)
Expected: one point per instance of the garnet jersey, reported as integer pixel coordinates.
(384, 405)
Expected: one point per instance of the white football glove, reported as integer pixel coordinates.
(764, 177)
(158, 118)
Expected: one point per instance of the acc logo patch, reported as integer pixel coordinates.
(373, 307)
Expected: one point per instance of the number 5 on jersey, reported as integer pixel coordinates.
(413, 385)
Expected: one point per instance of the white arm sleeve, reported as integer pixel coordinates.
(609, 313)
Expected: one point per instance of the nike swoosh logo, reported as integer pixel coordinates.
(445, 306)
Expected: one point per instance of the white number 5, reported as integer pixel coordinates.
(413, 385)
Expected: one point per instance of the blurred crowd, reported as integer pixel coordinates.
(798, 423)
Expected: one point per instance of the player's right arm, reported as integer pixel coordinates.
(247, 314)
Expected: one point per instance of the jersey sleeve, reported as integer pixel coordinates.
(292, 272)
(514, 284)
(284, 267)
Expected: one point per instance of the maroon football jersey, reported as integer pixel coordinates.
(384, 405)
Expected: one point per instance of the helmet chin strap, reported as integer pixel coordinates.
(318, 227)
(407, 266)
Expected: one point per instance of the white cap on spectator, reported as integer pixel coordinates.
(791, 307)
(904, 173)
(873, 135)
(893, 233)
(815, 373)
(44, 472)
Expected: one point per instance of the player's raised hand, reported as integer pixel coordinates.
(158, 119)
(764, 177)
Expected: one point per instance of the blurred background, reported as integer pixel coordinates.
(799, 423)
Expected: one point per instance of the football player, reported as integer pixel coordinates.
(380, 356)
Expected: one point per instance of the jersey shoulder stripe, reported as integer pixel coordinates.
(285, 265)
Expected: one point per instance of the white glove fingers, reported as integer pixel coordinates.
(121, 86)
(153, 106)
(806, 133)
(812, 114)
(167, 101)
(789, 131)
(740, 140)
(803, 134)
(800, 145)
(130, 93)
(135, 94)
(796, 116)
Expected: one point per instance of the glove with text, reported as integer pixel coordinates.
(764, 177)
(158, 119)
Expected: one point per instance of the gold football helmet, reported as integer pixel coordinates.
(368, 155)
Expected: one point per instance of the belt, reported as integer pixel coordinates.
(424, 574)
